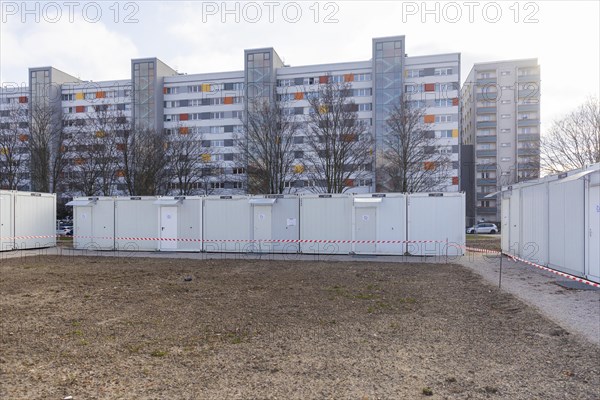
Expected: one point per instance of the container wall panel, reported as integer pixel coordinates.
(226, 224)
(35, 217)
(326, 219)
(534, 229)
(436, 217)
(136, 224)
(566, 227)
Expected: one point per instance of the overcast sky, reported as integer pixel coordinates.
(97, 40)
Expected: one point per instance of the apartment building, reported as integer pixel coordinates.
(211, 106)
(500, 112)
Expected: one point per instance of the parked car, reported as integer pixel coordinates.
(484, 227)
(64, 229)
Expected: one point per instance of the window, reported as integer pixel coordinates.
(236, 114)
(444, 134)
(217, 129)
(505, 145)
(238, 171)
(412, 73)
(362, 77)
(505, 73)
(217, 143)
(505, 130)
(362, 92)
(443, 102)
(444, 118)
(505, 159)
(67, 97)
(442, 71)
(217, 185)
(365, 107)
(505, 116)
(168, 90)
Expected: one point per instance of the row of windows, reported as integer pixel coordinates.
(434, 103)
(205, 129)
(97, 108)
(202, 116)
(204, 102)
(417, 73)
(107, 94)
(313, 80)
(430, 87)
(14, 100)
(205, 88)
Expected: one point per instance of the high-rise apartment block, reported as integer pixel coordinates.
(500, 140)
(212, 106)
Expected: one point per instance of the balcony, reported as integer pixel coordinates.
(528, 107)
(485, 153)
(530, 166)
(485, 167)
(528, 122)
(531, 93)
(490, 96)
(487, 210)
(486, 110)
(486, 124)
(528, 137)
(481, 196)
(487, 81)
(528, 151)
(486, 139)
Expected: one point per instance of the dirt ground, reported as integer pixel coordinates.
(123, 328)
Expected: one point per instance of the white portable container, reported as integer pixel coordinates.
(434, 219)
(227, 224)
(555, 221)
(7, 241)
(93, 223)
(136, 224)
(377, 218)
(34, 220)
(274, 220)
(180, 223)
(326, 219)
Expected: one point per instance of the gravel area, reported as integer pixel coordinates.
(150, 328)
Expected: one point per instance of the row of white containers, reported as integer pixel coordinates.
(274, 223)
(27, 220)
(555, 221)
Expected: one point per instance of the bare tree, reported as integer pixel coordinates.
(94, 154)
(574, 141)
(184, 155)
(267, 146)
(145, 162)
(338, 144)
(47, 144)
(13, 147)
(412, 160)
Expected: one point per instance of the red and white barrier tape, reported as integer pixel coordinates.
(229, 240)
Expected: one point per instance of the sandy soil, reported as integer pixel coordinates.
(123, 328)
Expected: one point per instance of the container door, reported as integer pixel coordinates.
(365, 223)
(594, 233)
(262, 225)
(83, 228)
(168, 228)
